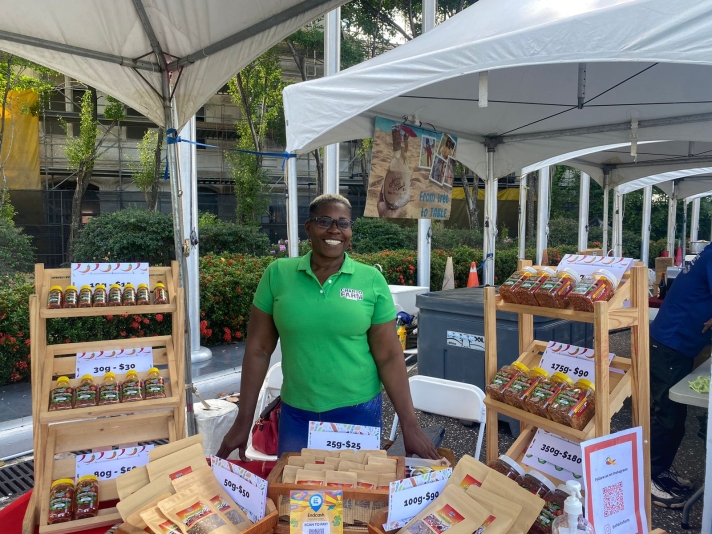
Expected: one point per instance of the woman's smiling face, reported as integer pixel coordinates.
(329, 242)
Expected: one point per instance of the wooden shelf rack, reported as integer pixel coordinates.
(68, 431)
(615, 382)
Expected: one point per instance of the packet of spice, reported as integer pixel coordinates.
(301, 461)
(178, 463)
(138, 499)
(125, 528)
(346, 465)
(131, 481)
(158, 522)
(174, 446)
(289, 474)
(508, 489)
(362, 508)
(315, 467)
(195, 514)
(506, 513)
(203, 482)
(332, 462)
(379, 460)
(310, 478)
(467, 472)
(384, 469)
(136, 521)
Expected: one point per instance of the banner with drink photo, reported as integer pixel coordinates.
(412, 172)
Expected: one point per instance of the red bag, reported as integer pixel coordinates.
(266, 429)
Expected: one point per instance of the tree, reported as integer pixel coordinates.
(83, 150)
(147, 170)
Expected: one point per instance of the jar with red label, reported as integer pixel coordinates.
(525, 293)
(600, 286)
(61, 501)
(109, 392)
(536, 483)
(131, 387)
(115, 295)
(129, 296)
(574, 406)
(520, 388)
(71, 297)
(85, 297)
(507, 289)
(62, 395)
(55, 298)
(555, 291)
(545, 392)
(85, 394)
(154, 386)
(503, 378)
(86, 497)
(160, 293)
(143, 295)
(508, 467)
(101, 299)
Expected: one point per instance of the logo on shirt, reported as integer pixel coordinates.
(351, 294)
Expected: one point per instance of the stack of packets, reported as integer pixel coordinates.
(478, 499)
(367, 469)
(418, 466)
(177, 493)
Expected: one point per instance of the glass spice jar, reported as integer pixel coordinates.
(160, 293)
(154, 385)
(71, 297)
(62, 395)
(115, 295)
(508, 467)
(520, 388)
(574, 406)
(109, 390)
(536, 483)
(55, 298)
(61, 501)
(100, 299)
(129, 296)
(503, 378)
(85, 297)
(525, 292)
(600, 286)
(545, 392)
(507, 289)
(143, 295)
(85, 393)
(86, 497)
(131, 388)
(554, 292)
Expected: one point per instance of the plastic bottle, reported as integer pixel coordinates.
(402, 336)
(109, 390)
(154, 385)
(573, 521)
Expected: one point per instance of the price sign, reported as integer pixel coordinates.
(574, 368)
(408, 497)
(247, 489)
(110, 464)
(337, 436)
(549, 448)
(92, 274)
(585, 265)
(118, 361)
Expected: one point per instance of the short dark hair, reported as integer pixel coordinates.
(326, 199)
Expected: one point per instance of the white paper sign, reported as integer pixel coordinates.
(408, 497)
(118, 361)
(554, 471)
(247, 489)
(465, 341)
(341, 437)
(585, 265)
(613, 472)
(575, 362)
(110, 464)
(92, 274)
(548, 448)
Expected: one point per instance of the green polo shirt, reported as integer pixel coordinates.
(326, 360)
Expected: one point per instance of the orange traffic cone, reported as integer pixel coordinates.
(473, 280)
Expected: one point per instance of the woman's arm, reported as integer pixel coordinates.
(261, 341)
(388, 355)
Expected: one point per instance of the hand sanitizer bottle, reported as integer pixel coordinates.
(572, 521)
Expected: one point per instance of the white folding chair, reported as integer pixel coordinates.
(271, 389)
(458, 400)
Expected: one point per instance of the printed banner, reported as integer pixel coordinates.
(412, 171)
(337, 436)
(92, 274)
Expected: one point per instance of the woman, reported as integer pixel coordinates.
(336, 321)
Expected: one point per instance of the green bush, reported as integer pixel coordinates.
(452, 238)
(220, 237)
(127, 235)
(17, 255)
(375, 235)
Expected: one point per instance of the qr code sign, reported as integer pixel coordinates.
(613, 499)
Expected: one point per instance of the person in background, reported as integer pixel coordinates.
(335, 318)
(677, 335)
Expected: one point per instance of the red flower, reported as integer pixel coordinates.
(12, 339)
(109, 317)
(123, 334)
(27, 342)
(159, 317)
(134, 325)
(67, 340)
(146, 321)
(202, 314)
(20, 334)
(15, 348)
(238, 335)
(14, 377)
(137, 318)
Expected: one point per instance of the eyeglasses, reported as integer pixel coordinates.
(326, 222)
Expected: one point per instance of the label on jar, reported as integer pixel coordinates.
(580, 408)
(599, 291)
(61, 396)
(514, 279)
(502, 378)
(115, 295)
(85, 297)
(87, 498)
(86, 393)
(154, 386)
(109, 393)
(61, 500)
(132, 390)
(583, 287)
(521, 384)
(566, 400)
(55, 298)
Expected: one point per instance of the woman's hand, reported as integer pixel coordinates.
(236, 438)
(416, 442)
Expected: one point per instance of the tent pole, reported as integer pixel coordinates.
(645, 230)
(683, 240)
(189, 206)
(292, 209)
(490, 233)
(695, 219)
(424, 225)
(672, 214)
(584, 191)
(542, 218)
(522, 237)
(616, 242)
(604, 245)
(332, 65)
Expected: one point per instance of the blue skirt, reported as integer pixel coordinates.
(294, 423)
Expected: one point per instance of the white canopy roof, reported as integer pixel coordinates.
(645, 59)
(689, 182)
(107, 45)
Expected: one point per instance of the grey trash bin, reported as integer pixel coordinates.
(451, 327)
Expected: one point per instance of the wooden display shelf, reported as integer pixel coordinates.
(109, 310)
(615, 382)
